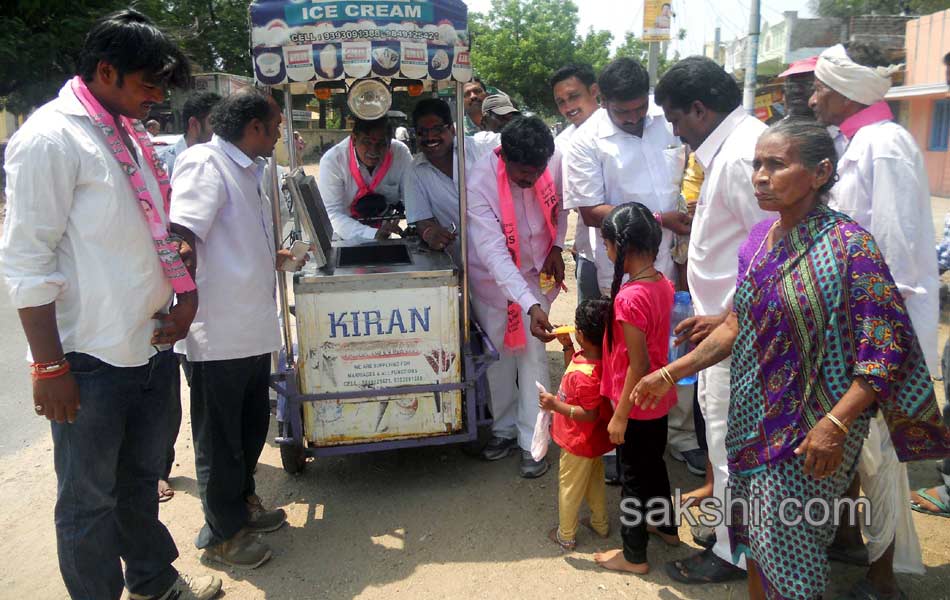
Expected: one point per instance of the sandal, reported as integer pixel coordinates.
(922, 492)
(566, 545)
(165, 493)
(865, 590)
(586, 523)
(704, 567)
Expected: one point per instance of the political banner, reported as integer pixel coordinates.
(657, 20)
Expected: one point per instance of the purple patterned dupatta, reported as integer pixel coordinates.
(817, 310)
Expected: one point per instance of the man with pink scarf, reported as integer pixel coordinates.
(516, 227)
(93, 270)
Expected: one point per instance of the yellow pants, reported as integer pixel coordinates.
(581, 478)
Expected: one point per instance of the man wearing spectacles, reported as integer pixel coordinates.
(430, 184)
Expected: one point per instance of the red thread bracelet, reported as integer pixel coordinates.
(52, 373)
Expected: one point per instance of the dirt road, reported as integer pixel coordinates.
(424, 524)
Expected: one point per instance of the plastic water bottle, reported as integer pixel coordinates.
(682, 309)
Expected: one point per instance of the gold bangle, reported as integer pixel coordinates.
(666, 375)
(838, 423)
(572, 412)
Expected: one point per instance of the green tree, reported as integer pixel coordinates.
(853, 8)
(639, 50)
(214, 33)
(40, 40)
(519, 43)
(594, 49)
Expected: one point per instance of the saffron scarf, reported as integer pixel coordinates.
(167, 250)
(548, 202)
(365, 188)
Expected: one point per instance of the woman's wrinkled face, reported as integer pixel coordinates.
(781, 181)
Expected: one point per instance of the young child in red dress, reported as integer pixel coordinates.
(637, 343)
(579, 427)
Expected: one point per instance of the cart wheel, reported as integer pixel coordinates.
(293, 458)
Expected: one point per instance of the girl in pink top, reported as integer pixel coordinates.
(637, 343)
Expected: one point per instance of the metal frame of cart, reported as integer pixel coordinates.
(332, 45)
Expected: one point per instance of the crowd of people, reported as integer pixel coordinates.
(806, 250)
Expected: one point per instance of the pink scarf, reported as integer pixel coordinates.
(544, 193)
(364, 189)
(167, 250)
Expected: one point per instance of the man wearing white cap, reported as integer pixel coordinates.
(883, 186)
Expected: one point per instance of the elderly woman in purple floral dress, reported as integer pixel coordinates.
(820, 338)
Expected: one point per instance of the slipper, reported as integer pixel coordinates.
(865, 590)
(586, 523)
(164, 495)
(922, 492)
(566, 546)
(704, 567)
(849, 555)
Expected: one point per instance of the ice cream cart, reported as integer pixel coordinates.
(386, 355)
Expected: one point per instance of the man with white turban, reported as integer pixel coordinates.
(884, 187)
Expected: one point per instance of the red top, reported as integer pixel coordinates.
(647, 306)
(581, 387)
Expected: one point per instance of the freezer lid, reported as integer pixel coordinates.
(309, 205)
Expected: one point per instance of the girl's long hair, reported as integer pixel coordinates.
(633, 230)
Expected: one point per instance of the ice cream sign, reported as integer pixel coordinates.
(316, 11)
(326, 40)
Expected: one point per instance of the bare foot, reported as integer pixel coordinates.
(614, 560)
(670, 539)
(700, 493)
(586, 523)
(165, 491)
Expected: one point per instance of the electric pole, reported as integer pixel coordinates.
(752, 57)
(653, 59)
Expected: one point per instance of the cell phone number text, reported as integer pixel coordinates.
(362, 34)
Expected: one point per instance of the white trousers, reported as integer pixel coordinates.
(681, 433)
(714, 403)
(884, 482)
(511, 380)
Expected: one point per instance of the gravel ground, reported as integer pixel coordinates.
(424, 524)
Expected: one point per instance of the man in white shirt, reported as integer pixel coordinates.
(196, 114)
(883, 185)
(575, 94)
(473, 93)
(430, 185)
(81, 266)
(703, 103)
(621, 154)
(380, 163)
(218, 207)
(515, 213)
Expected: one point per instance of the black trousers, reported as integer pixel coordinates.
(699, 423)
(174, 419)
(643, 477)
(230, 414)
